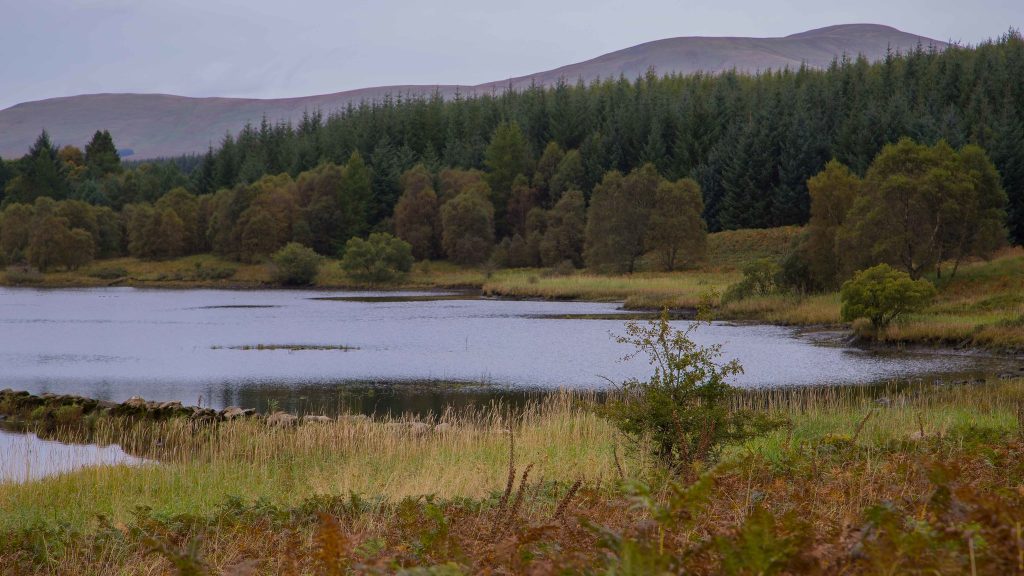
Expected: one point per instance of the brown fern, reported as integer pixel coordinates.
(560, 510)
(330, 546)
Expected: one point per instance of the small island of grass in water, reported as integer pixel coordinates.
(289, 347)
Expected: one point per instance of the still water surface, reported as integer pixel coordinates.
(409, 350)
(26, 457)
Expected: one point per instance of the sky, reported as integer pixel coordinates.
(281, 48)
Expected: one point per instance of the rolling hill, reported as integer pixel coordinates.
(155, 125)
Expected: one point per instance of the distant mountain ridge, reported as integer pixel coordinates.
(155, 125)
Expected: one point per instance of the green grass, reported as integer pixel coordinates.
(284, 497)
(392, 459)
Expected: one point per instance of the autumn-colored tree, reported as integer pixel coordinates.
(922, 205)
(79, 215)
(15, 231)
(79, 249)
(617, 219)
(52, 244)
(975, 223)
(110, 230)
(468, 228)
(547, 167)
(138, 219)
(169, 233)
(522, 199)
(676, 230)
(566, 227)
(451, 182)
(417, 213)
(507, 158)
(262, 234)
(833, 192)
(323, 210)
(186, 206)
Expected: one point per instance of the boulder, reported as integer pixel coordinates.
(232, 412)
(313, 419)
(135, 402)
(282, 419)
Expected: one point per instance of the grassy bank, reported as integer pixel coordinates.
(902, 478)
(981, 307)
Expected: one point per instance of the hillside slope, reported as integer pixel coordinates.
(162, 125)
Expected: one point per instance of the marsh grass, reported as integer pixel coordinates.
(455, 454)
(646, 290)
(864, 478)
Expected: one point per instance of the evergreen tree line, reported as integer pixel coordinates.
(750, 141)
(538, 169)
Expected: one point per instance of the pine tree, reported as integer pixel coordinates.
(1008, 155)
(508, 157)
(101, 156)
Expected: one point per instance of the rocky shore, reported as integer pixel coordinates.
(50, 410)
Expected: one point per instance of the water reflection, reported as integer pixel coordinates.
(202, 346)
(26, 457)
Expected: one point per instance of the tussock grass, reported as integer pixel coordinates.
(646, 290)
(942, 462)
(465, 455)
(790, 309)
(734, 249)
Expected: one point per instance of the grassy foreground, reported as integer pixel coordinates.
(911, 479)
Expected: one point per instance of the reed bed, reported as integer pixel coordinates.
(454, 454)
(650, 290)
(862, 480)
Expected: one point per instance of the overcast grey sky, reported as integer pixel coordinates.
(266, 48)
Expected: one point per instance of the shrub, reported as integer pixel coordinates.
(759, 279)
(882, 294)
(683, 408)
(295, 265)
(379, 258)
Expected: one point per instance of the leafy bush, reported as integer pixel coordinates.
(759, 279)
(379, 258)
(683, 409)
(882, 294)
(295, 265)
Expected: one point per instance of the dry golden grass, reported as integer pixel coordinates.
(800, 495)
(733, 249)
(465, 455)
(646, 290)
(787, 309)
